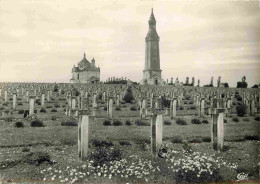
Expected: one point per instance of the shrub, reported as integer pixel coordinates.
(107, 123)
(43, 110)
(25, 149)
(192, 107)
(57, 105)
(19, 124)
(241, 110)
(195, 140)
(167, 122)
(103, 156)
(124, 143)
(20, 111)
(206, 139)
(235, 119)
(70, 122)
(176, 140)
(37, 158)
(165, 103)
(251, 137)
(37, 123)
(101, 143)
(128, 122)
(181, 122)
(133, 108)
(257, 118)
(195, 121)
(141, 123)
(205, 121)
(54, 110)
(118, 109)
(128, 97)
(117, 123)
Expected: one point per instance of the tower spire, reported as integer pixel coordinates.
(84, 55)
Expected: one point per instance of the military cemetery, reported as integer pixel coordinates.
(154, 130)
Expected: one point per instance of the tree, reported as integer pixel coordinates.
(241, 84)
(226, 85)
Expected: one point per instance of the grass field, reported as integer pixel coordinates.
(49, 154)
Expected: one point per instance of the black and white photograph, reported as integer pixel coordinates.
(129, 91)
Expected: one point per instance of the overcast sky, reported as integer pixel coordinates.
(41, 40)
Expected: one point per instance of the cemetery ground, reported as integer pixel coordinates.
(119, 148)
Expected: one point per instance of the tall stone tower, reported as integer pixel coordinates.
(152, 71)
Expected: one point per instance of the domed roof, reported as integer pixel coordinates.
(84, 59)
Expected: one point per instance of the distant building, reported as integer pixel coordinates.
(152, 71)
(85, 72)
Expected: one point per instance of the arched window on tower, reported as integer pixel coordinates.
(78, 76)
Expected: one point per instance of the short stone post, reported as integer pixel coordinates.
(110, 108)
(73, 103)
(173, 108)
(202, 107)
(217, 127)
(6, 99)
(27, 96)
(31, 105)
(94, 105)
(43, 100)
(117, 101)
(83, 136)
(252, 107)
(48, 96)
(14, 101)
(156, 133)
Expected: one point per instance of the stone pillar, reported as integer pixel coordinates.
(156, 133)
(94, 105)
(217, 127)
(117, 101)
(6, 98)
(252, 108)
(27, 96)
(73, 104)
(197, 101)
(104, 96)
(110, 109)
(173, 108)
(229, 105)
(48, 96)
(59, 91)
(31, 106)
(202, 107)
(35, 92)
(83, 136)
(43, 100)
(14, 100)
(79, 102)
(143, 108)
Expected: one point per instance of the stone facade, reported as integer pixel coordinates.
(152, 71)
(85, 72)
